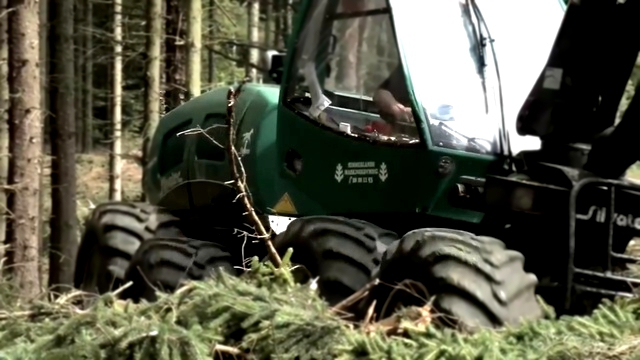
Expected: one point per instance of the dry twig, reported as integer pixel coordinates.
(33, 314)
(353, 298)
(240, 177)
(369, 316)
(417, 318)
(224, 349)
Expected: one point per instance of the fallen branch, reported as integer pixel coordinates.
(353, 298)
(240, 177)
(42, 313)
(415, 318)
(224, 349)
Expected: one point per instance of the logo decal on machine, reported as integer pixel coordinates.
(363, 172)
(246, 141)
(599, 214)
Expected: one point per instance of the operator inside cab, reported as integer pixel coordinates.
(456, 91)
(351, 77)
(392, 98)
(394, 105)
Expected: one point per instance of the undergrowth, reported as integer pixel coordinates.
(264, 315)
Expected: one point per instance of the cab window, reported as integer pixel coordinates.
(348, 74)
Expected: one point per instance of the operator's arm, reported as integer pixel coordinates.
(389, 106)
(383, 97)
(384, 100)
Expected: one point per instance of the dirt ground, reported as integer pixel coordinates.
(93, 178)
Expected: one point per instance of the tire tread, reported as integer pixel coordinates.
(467, 274)
(342, 252)
(166, 263)
(113, 232)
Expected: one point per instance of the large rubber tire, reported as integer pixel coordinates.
(474, 281)
(341, 252)
(164, 264)
(112, 234)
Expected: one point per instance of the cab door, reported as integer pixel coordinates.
(338, 155)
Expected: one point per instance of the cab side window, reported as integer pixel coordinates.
(355, 57)
(365, 52)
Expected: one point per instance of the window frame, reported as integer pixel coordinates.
(292, 68)
(164, 152)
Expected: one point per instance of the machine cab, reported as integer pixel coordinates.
(368, 122)
(359, 69)
(386, 106)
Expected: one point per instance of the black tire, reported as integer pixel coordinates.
(342, 252)
(163, 264)
(111, 236)
(474, 281)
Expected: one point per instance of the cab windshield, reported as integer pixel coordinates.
(349, 76)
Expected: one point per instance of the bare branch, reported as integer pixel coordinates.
(229, 57)
(199, 130)
(353, 298)
(241, 177)
(5, 13)
(223, 349)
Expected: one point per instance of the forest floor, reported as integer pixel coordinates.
(92, 185)
(92, 188)
(93, 175)
(92, 171)
(93, 178)
(264, 315)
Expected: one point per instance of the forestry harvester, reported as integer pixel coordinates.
(382, 152)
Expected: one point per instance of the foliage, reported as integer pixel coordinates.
(265, 315)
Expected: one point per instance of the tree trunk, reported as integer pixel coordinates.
(253, 16)
(211, 61)
(44, 101)
(115, 163)
(79, 51)
(87, 106)
(277, 26)
(25, 128)
(44, 80)
(287, 20)
(63, 222)
(346, 78)
(194, 38)
(4, 124)
(175, 55)
(346, 64)
(268, 30)
(152, 88)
